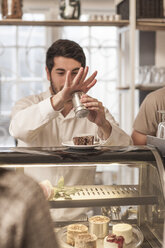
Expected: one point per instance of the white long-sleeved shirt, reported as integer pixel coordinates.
(35, 123)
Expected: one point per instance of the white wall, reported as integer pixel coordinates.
(160, 49)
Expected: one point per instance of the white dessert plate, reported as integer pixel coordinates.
(136, 242)
(71, 145)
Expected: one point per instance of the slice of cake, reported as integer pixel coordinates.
(86, 240)
(99, 225)
(83, 140)
(124, 230)
(113, 241)
(73, 230)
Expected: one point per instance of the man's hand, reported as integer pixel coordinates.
(71, 85)
(97, 115)
(78, 83)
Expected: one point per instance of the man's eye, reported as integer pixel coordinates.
(74, 73)
(60, 73)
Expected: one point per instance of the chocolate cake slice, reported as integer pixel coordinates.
(83, 140)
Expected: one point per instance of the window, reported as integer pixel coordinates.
(22, 58)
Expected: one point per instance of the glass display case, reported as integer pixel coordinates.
(122, 183)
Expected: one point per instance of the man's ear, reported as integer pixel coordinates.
(47, 73)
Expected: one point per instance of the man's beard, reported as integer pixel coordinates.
(52, 87)
(54, 90)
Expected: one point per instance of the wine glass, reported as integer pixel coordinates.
(161, 126)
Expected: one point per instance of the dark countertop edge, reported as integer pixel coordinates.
(65, 155)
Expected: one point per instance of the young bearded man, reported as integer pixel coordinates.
(48, 119)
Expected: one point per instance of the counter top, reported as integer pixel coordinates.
(64, 155)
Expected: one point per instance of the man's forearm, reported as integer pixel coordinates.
(57, 102)
(105, 131)
(139, 138)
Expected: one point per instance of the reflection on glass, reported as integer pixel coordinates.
(161, 126)
(151, 74)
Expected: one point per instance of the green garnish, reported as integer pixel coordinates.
(64, 192)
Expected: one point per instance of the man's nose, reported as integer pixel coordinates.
(73, 76)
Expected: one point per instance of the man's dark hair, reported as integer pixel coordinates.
(67, 49)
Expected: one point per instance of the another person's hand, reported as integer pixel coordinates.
(139, 138)
(47, 189)
(97, 115)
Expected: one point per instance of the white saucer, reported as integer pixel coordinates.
(71, 145)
